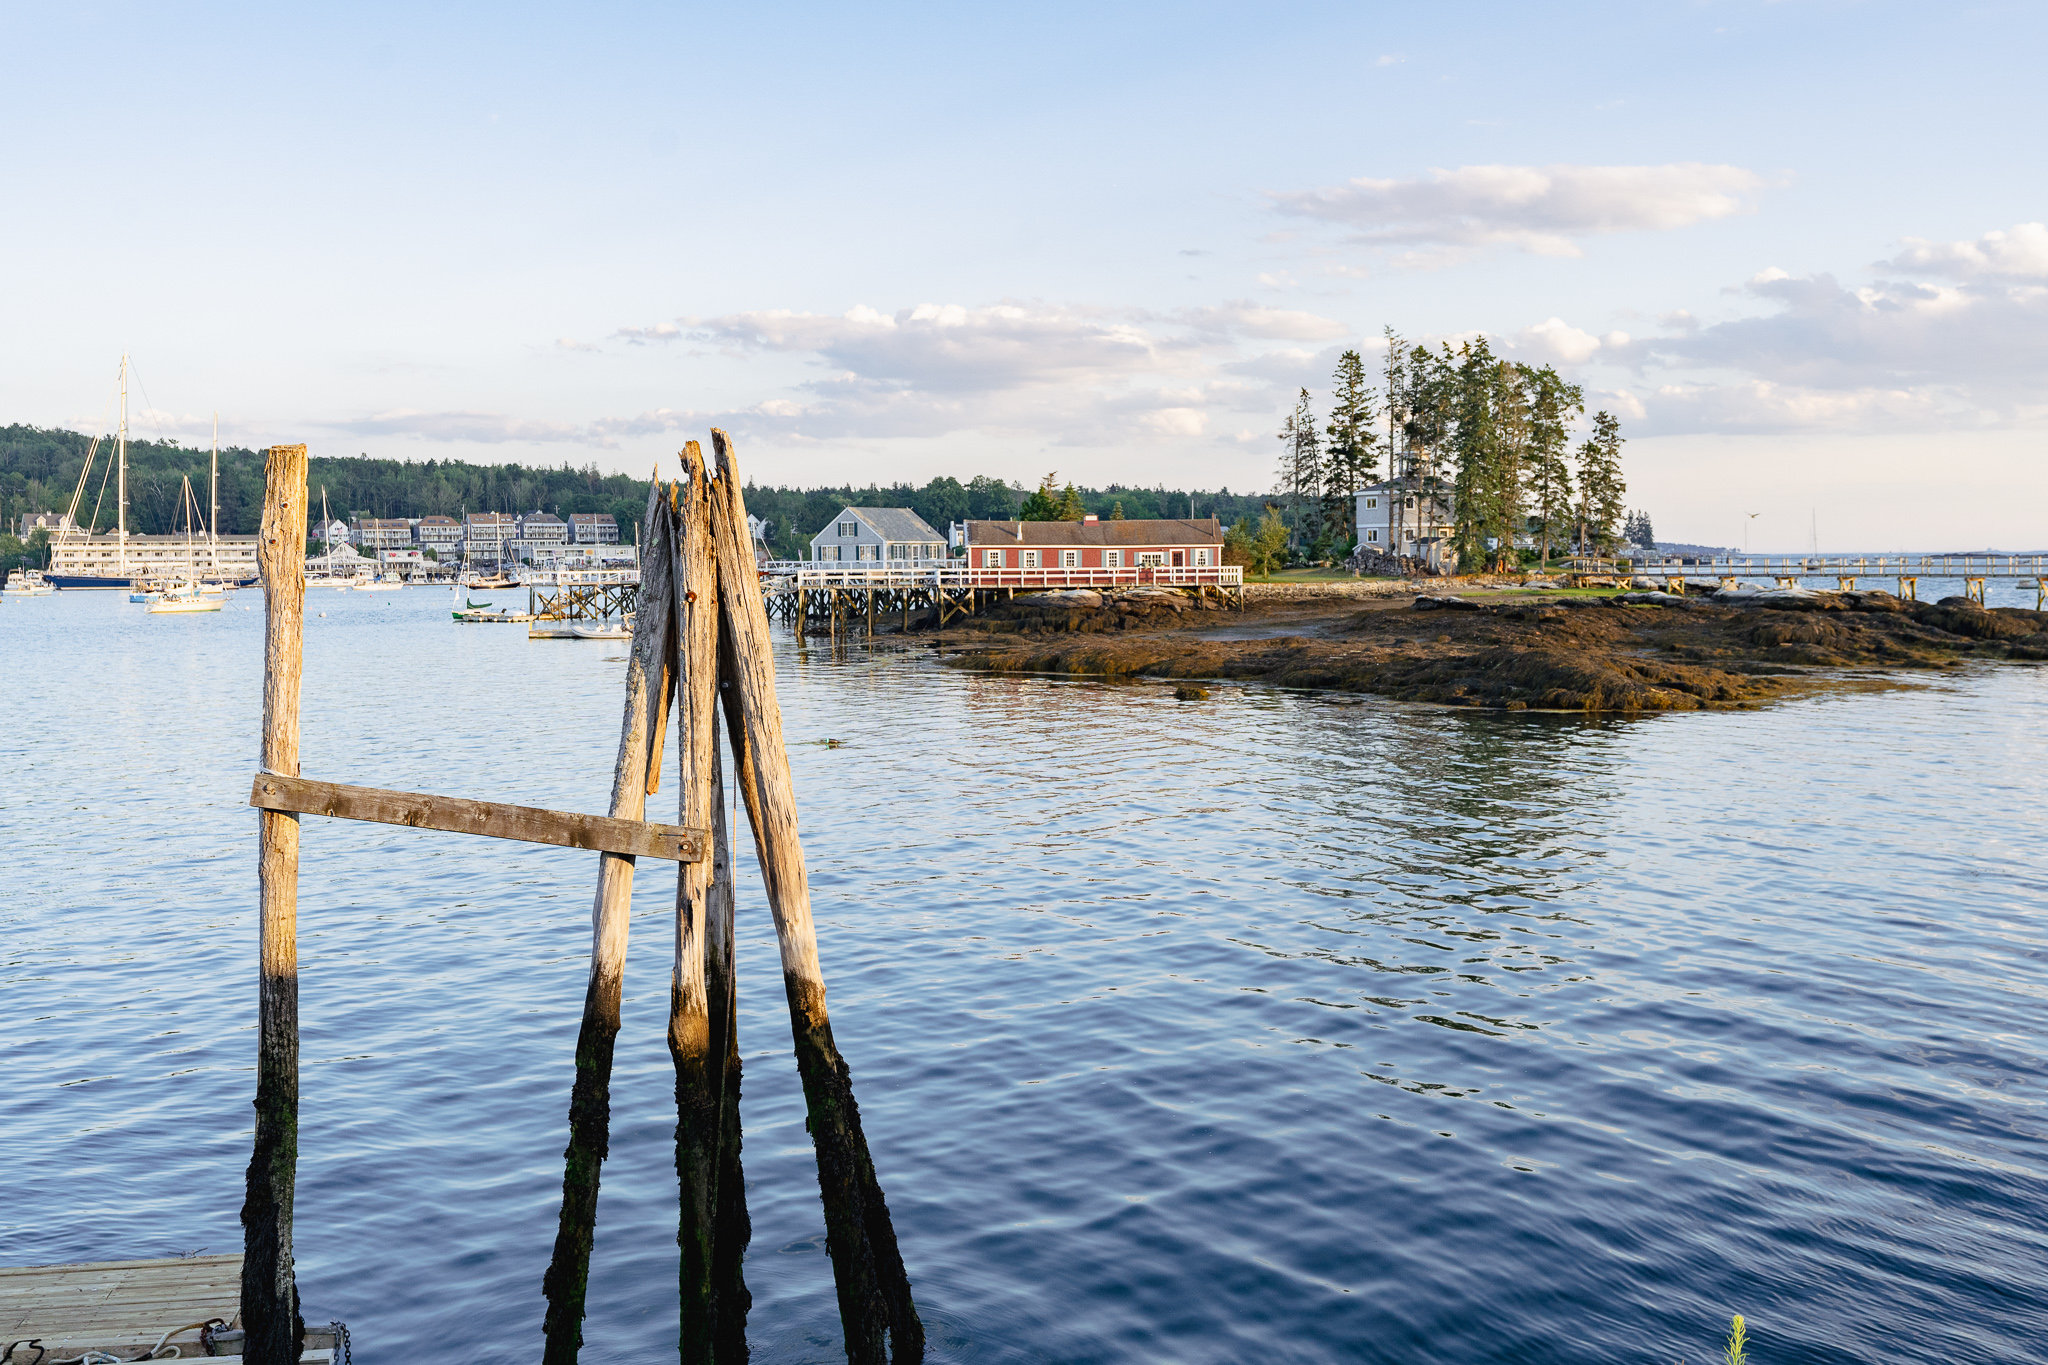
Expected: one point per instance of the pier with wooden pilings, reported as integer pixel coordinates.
(701, 656)
(831, 599)
(1845, 571)
(582, 594)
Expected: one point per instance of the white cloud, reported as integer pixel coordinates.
(1980, 340)
(1893, 355)
(948, 348)
(1243, 317)
(640, 336)
(483, 427)
(1758, 406)
(571, 344)
(1541, 209)
(1054, 373)
(2020, 253)
(1557, 341)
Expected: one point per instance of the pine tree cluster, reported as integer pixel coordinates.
(1488, 436)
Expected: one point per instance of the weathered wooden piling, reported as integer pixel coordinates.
(735, 1229)
(270, 1295)
(701, 1037)
(568, 1274)
(701, 646)
(873, 1288)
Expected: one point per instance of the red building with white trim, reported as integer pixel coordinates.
(1093, 550)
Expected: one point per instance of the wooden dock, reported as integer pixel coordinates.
(824, 597)
(124, 1308)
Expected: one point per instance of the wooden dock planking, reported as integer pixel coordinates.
(123, 1307)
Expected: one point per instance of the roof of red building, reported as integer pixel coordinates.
(1207, 531)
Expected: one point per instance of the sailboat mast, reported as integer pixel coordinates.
(213, 496)
(121, 454)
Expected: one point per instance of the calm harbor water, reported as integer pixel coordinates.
(1276, 1027)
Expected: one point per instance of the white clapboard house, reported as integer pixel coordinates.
(879, 535)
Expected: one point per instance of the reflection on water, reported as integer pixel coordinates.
(1271, 1027)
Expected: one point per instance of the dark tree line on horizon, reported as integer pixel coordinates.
(40, 467)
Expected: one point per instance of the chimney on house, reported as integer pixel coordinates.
(1090, 519)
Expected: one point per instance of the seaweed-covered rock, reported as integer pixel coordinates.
(1065, 597)
(1961, 616)
(1444, 604)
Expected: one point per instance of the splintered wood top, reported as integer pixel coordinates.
(117, 1306)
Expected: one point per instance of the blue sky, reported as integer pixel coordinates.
(1797, 246)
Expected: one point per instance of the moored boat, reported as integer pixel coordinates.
(184, 599)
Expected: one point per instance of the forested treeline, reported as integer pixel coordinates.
(1490, 436)
(39, 470)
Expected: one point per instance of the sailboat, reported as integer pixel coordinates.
(121, 577)
(186, 596)
(213, 582)
(125, 572)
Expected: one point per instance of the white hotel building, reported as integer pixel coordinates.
(151, 557)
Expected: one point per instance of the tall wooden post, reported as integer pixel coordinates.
(713, 1229)
(568, 1274)
(735, 1229)
(270, 1295)
(874, 1291)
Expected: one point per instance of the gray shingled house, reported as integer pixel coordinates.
(877, 535)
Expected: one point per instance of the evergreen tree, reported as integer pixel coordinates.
(1116, 512)
(1637, 531)
(1428, 421)
(1070, 508)
(1300, 474)
(1046, 503)
(1546, 471)
(1485, 427)
(1601, 488)
(1351, 453)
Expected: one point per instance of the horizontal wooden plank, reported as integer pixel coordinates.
(233, 1259)
(458, 815)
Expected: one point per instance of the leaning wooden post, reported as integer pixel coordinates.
(874, 1291)
(714, 1298)
(568, 1274)
(735, 1229)
(270, 1294)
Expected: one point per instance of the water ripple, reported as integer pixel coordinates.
(1275, 1027)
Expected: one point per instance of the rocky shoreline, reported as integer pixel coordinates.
(1631, 652)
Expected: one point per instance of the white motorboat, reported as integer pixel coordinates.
(29, 583)
(184, 599)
